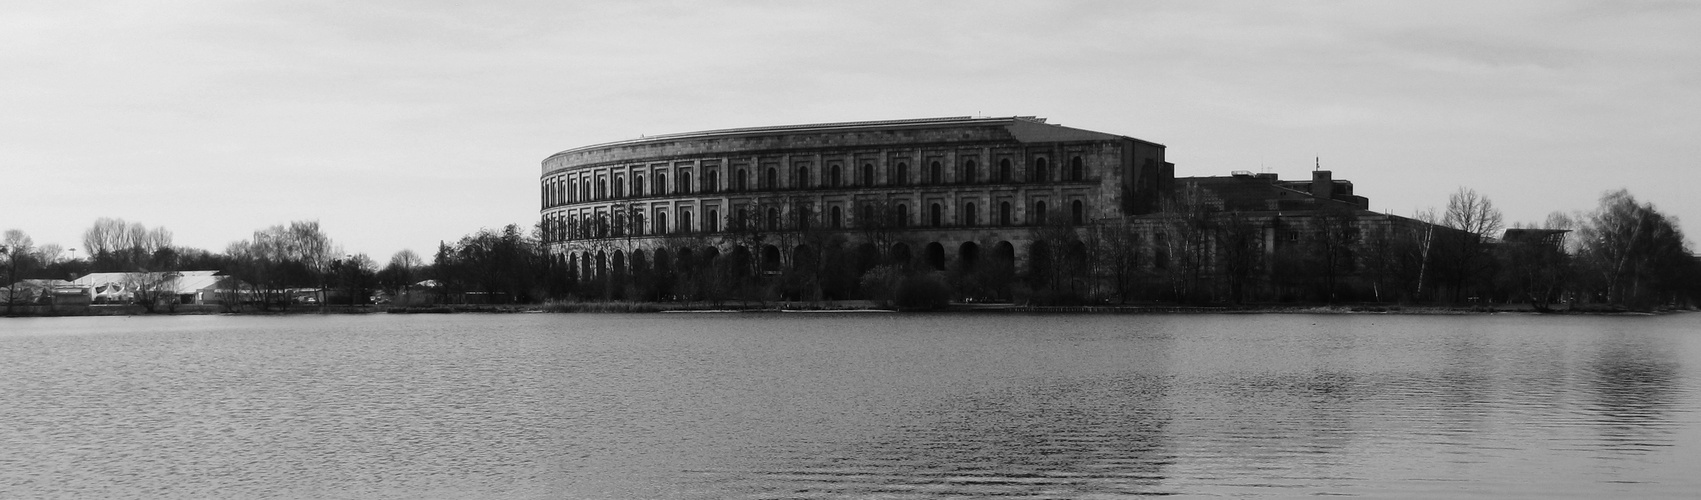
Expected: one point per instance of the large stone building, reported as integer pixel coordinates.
(926, 191)
(945, 180)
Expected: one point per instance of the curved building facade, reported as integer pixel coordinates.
(920, 192)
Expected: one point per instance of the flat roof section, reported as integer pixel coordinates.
(1021, 126)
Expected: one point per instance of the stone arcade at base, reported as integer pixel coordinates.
(955, 193)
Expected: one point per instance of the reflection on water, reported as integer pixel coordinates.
(849, 406)
(1636, 384)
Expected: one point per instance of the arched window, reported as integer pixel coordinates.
(802, 180)
(684, 222)
(801, 213)
(935, 173)
(661, 222)
(970, 172)
(713, 182)
(1077, 213)
(773, 178)
(714, 220)
(936, 215)
(773, 219)
(868, 174)
(685, 182)
(833, 178)
(742, 220)
(903, 215)
(867, 216)
(1004, 213)
(661, 183)
(969, 214)
(637, 220)
(1039, 213)
(1039, 173)
(741, 182)
(1004, 170)
(638, 185)
(1077, 171)
(602, 188)
(838, 218)
(619, 187)
(903, 174)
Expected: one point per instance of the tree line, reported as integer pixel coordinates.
(1623, 253)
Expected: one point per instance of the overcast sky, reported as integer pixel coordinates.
(397, 124)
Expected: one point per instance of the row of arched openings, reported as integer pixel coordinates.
(768, 259)
(774, 221)
(560, 191)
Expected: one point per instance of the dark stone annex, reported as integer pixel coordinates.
(996, 208)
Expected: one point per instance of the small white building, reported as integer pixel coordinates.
(187, 287)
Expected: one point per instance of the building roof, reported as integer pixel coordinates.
(183, 282)
(1022, 128)
(1534, 235)
(41, 284)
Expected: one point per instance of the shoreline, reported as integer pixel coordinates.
(849, 307)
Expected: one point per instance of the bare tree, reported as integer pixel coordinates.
(1186, 226)
(1430, 219)
(399, 275)
(1336, 238)
(285, 256)
(1117, 254)
(1636, 254)
(19, 250)
(1241, 245)
(136, 234)
(1474, 215)
(126, 246)
(874, 219)
(153, 290)
(356, 274)
(49, 254)
(156, 239)
(1057, 267)
(106, 236)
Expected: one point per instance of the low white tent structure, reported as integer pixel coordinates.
(186, 287)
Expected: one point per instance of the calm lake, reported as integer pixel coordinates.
(850, 405)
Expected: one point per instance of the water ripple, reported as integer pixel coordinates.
(842, 406)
